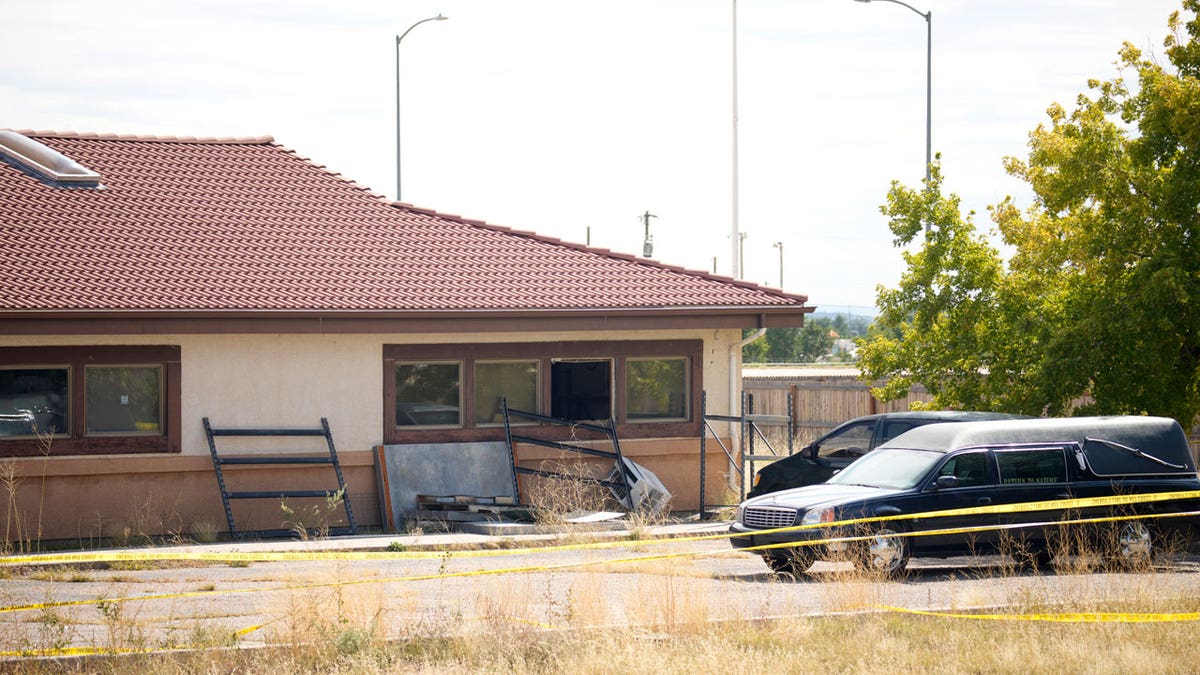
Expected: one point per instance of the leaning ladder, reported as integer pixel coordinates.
(226, 495)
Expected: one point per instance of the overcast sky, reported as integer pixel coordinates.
(560, 116)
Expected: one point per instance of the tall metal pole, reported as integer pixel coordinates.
(735, 256)
(400, 37)
(928, 16)
(779, 245)
(928, 97)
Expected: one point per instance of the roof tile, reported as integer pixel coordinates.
(245, 224)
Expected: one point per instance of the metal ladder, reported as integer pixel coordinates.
(226, 495)
(621, 471)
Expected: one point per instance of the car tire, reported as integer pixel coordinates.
(791, 562)
(1134, 545)
(885, 552)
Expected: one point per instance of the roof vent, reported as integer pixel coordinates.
(44, 161)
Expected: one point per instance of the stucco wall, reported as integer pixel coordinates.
(287, 381)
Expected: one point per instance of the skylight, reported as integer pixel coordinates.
(45, 162)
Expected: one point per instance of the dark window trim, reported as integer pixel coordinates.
(538, 394)
(75, 441)
(687, 376)
(543, 352)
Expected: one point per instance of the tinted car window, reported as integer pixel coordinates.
(1047, 465)
(893, 428)
(853, 441)
(969, 468)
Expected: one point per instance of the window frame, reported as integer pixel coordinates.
(161, 372)
(76, 359)
(1002, 454)
(687, 376)
(610, 362)
(544, 353)
(537, 393)
(70, 387)
(462, 377)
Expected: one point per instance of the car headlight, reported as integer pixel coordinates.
(817, 516)
(741, 511)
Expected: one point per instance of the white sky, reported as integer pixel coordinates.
(557, 116)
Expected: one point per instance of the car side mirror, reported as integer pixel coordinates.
(944, 482)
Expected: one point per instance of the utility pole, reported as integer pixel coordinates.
(648, 244)
(779, 245)
(741, 249)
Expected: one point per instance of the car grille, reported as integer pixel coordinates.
(768, 516)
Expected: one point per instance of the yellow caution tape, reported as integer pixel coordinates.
(301, 556)
(1066, 617)
(74, 651)
(420, 577)
(114, 556)
(526, 569)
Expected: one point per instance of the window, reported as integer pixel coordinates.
(89, 400)
(581, 390)
(34, 401)
(516, 381)
(1045, 465)
(893, 428)
(656, 389)
(428, 394)
(444, 393)
(123, 399)
(969, 468)
(852, 441)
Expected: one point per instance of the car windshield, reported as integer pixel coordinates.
(891, 468)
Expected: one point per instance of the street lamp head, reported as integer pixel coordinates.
(439, 17)
(400, 37)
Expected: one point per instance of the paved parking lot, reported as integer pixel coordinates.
(634, 584)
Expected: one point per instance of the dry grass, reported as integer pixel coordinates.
(659, 616)
(865, 643)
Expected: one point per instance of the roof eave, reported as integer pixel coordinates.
(117, 322)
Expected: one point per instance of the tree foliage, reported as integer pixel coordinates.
(808, 344)
(1098, 309)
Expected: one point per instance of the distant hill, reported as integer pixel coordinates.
(850, 311)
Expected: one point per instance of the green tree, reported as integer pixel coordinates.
(815, 341)
(940, 327)
(790, 345)
(755, 352)
(1101, 297)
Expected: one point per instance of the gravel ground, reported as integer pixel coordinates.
(642, 585)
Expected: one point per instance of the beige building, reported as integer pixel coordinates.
(149, 283)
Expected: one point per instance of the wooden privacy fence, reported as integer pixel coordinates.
(822, 398)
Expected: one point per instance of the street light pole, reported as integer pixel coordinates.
(779, 245)
(400, 37)
(928, 16)
(736, 238)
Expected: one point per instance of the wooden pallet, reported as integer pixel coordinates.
(461, 508)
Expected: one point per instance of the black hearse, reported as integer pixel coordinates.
(991, 464)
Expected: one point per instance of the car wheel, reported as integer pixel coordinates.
(1134, 545)
(886, 552)
(789, 561)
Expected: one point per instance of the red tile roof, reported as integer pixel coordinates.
(184, 224)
